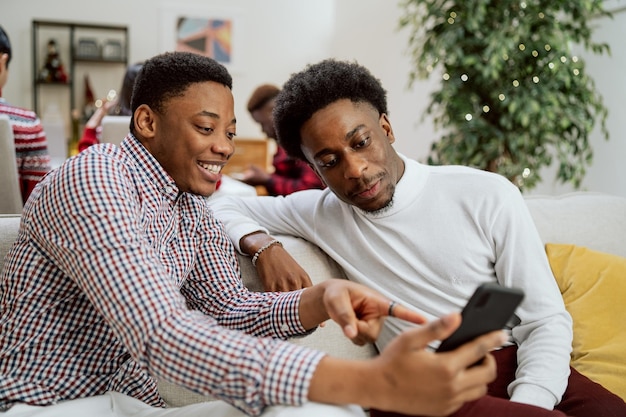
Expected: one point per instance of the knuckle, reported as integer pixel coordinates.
(448, 370)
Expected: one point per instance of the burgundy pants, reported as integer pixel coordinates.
(582, 398)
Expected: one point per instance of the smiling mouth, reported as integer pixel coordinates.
(212, 168)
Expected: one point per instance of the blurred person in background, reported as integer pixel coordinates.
(289, 174)
(113, 104)
(31, 146)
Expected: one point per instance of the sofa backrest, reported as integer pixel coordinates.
(115, 129)
(594, 220)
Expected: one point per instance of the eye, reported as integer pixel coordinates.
(362, 143)
(231, 135)
(328, 162)
(205, 129)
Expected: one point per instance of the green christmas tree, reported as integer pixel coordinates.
(512, 95)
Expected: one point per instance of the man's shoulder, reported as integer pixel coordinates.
(98, 161)
(17, 113)
(469, 174)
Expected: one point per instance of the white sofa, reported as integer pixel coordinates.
(594, 220)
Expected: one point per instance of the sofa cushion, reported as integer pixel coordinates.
(593, 286)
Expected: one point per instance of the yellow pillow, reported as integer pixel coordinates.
(593, 286)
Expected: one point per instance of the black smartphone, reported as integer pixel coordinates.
(490, 308)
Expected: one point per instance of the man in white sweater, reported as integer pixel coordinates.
(424, 236)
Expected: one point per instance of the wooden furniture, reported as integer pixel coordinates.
(251, 151)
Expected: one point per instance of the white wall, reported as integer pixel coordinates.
(367, 31)
(280, 37)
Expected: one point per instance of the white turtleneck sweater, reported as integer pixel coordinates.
(449, 229)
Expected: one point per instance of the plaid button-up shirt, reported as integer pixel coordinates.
(118, 279)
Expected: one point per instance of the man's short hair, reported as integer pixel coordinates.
(170, 74)
(5, 45)
(261, 96)
(316, 87)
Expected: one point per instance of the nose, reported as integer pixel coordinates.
(354, 166)
(224, 146)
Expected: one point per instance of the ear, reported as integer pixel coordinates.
(385, 124)
(145, 122)
(4, 58)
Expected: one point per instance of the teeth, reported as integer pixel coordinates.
(214, 169)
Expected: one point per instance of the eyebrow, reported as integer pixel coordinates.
(347, 137)
(215, 116)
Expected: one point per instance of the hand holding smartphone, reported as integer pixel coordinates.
(490, 308)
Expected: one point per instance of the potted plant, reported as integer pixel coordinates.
(513, 95)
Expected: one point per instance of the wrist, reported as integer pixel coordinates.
(96, 118)
(263, 248)
(533, 395)
(250, 243)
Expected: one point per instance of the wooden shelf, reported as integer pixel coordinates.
(69, 34)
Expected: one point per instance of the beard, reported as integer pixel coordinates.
(387, 205)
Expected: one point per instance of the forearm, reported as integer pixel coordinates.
(96, 118)
(543, 357)
(355, 386)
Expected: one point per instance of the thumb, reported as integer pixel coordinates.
(436, 330)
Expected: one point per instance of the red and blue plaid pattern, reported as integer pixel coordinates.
(291, 175)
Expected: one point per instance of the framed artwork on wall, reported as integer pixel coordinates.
(204, 30)
(210, 37)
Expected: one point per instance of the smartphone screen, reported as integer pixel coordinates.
(490, 308)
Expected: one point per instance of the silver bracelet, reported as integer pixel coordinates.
(262, 248)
